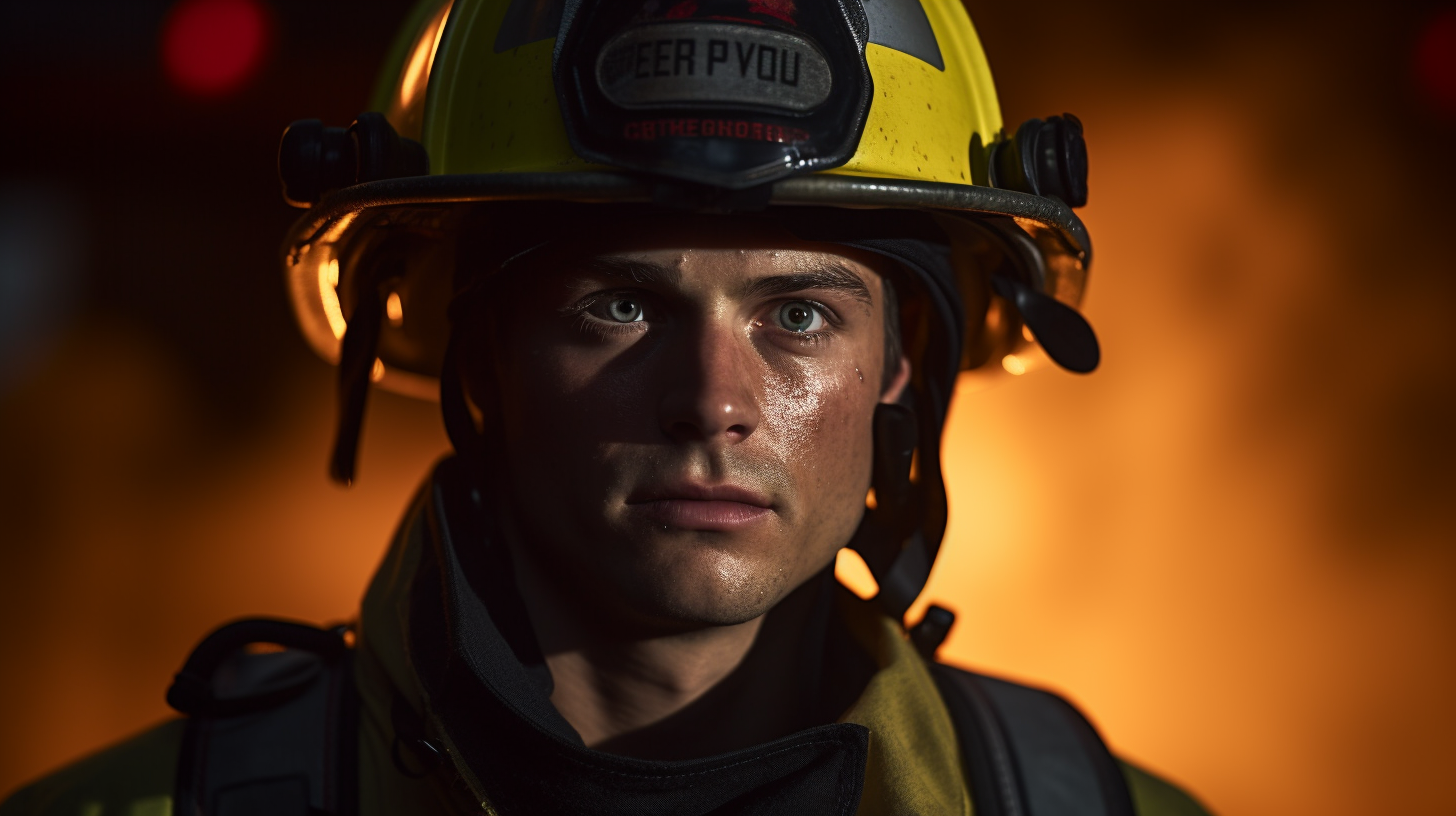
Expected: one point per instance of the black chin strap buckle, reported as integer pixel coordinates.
(932, 630)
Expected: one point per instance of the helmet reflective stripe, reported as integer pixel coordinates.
(529, 21)
(903, 26)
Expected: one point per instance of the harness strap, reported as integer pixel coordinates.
(1028, 752)
(297, 757)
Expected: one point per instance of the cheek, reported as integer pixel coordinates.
(567, 392)
(821, 423)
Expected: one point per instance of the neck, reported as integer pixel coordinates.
(672, 694)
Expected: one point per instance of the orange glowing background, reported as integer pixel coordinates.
(1234, 545)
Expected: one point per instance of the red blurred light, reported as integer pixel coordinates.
(213, 47)
(1436, 61)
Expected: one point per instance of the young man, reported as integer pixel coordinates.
(679, 379)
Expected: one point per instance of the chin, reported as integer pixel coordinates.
(700, 585)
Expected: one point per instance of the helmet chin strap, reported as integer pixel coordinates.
(889, 538)
(467, 440)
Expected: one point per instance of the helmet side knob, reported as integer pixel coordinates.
(314, 160)
(1045, 158)
(380, 153)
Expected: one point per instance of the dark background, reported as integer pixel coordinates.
(1235, 544)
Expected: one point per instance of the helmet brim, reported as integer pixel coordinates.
(312, 247)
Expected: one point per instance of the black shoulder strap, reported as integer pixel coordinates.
(1028, 752)
(272, 733)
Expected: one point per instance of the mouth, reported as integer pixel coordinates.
(692, 506)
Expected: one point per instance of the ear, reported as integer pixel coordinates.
(897, 385)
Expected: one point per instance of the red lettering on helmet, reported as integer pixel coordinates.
(654, 129)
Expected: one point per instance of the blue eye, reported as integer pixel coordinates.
(624, 310)
(799, 316)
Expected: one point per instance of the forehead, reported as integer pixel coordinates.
(687, 252)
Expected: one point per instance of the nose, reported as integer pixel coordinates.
(713, 390)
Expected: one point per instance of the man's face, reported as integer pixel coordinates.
(686, 419)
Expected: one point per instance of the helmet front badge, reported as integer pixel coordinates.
(666, 64)
(729, 93)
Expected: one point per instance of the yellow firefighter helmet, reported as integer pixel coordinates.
(709, 104)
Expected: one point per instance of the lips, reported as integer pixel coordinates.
(691, 506)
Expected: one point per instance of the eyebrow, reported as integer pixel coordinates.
(830, 276)
(635, 271)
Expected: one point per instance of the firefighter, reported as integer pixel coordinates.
(693, 282)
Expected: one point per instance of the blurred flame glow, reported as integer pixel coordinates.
(329, 295)
(394, 309)
(854, 573)
(1232, 545)
(1013, 365)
